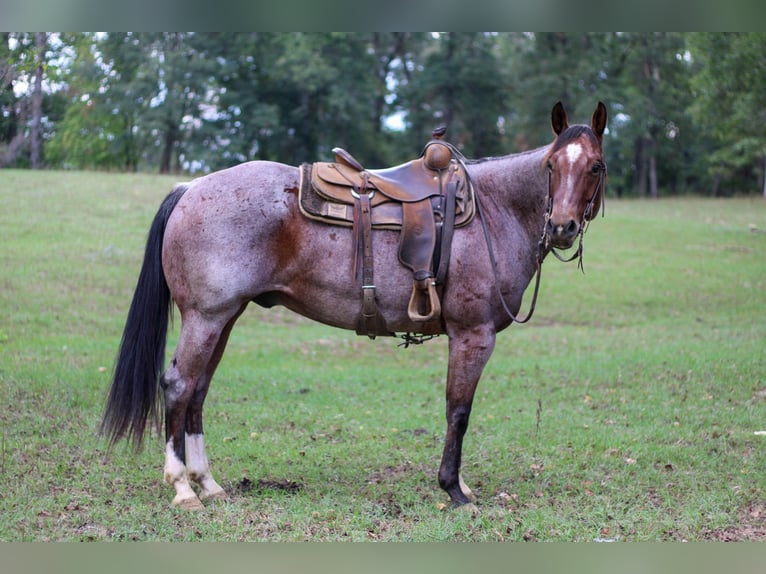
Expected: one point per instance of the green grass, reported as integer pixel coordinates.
(625, 410)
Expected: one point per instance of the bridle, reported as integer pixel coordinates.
(543, 245)
(584, 223)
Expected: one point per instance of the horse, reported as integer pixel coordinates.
(237, 236)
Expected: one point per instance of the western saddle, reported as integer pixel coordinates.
(425, 199)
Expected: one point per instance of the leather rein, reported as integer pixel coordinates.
(543, 245)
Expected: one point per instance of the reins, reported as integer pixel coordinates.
(493, 262)
(543, 244)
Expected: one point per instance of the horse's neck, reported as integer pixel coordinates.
(517, 183)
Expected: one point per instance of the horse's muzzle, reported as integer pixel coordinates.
(562, 235)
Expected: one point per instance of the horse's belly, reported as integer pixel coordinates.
(322, 282)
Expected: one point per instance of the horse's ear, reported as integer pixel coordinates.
(559, 120)
(598, 121)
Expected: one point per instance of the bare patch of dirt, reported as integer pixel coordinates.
(392, 473)
(283, 485)
(752, 526)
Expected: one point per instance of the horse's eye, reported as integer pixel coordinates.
(597, 167)
(549, 166)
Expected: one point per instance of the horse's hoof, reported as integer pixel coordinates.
(193, 503)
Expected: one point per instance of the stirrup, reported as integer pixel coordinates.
(434, 305)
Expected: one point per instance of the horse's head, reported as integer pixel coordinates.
(577, 170)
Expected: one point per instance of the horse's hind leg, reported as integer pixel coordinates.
(185, 385)
(178, 389)
(198, 467)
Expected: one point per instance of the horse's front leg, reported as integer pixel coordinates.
(468, 354)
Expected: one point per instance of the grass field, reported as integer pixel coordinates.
(626, 410)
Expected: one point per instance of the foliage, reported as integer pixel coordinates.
(289, 97)
(460, 85)
(730, 102)
(27, 121)
(655, 85)
(686, 109)
(627, 410)
(550, 67)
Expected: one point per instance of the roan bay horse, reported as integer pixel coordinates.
(237, 235)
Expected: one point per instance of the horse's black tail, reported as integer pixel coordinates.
(134, 393)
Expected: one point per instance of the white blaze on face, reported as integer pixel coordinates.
(574, 151)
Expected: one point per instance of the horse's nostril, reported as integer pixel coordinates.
(562, 230)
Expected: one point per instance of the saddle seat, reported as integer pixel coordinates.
(408, 182)
(425, 199)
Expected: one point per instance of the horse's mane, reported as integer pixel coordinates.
(567, 136)
(496, 158)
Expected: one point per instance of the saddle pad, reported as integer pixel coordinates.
(332, 201)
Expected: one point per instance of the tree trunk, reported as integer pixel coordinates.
(449, 90)
(715, 189)
(130, 154)
(37, 102)
(640, 162)
(168, 144)
(764, 177)
(653, 192)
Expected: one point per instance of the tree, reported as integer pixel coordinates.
(179, 68)
(31, 105)
(99, 127)
(18, 55)
(459, 83)
(686, 110)
(136, 99)
(730, 102)
(293, 97)
(9, 109)
(268, 89)
(655, 85)
(41, 43)
(543, 68)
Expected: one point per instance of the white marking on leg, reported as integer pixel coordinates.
(175, 475)
(467, 491)
(199, 467)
